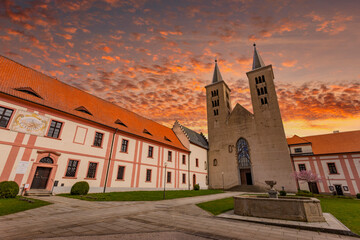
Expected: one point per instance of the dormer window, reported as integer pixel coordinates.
(298, 150)
(83, 109)
(166, 139)
(28, 90)
(120, 122)
(147, 132)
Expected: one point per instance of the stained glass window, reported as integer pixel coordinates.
(243, 153)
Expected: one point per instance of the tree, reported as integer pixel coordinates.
(307, 176)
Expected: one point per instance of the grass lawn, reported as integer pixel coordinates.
(13, 205)
(346, 210)
(141, 195)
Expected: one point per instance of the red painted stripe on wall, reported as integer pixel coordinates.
(111, 170)
(161, 167)
(10, 161)
(106, 160)
(158, 168)
(134, 164)
(26, 157)
(322, 174)
(139, 165)
(354, 171)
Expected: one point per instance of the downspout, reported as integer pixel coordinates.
(189, 170)
(108, 166)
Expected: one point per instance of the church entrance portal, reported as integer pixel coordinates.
(245, 177)
(41, 178)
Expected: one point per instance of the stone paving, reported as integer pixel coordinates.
(170, 219)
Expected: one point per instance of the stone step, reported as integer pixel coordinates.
(38, 192)
(247, 188)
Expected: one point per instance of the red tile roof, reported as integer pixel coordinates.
(342, 142)
(63, 97)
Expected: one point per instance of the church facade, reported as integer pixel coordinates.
(246, 149)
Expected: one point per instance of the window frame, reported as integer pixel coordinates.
(10, 118)
(123, 175)
(196, 162)
(167, 176)
(298, 150)
(127, 145)
(183, 178)
(102, 139)
(336, 171)
(87, 174)
(76, 169)
(184, 159)
(146, 175)
(60, 131)
(169, 156)
(300, 166)
(152, 152)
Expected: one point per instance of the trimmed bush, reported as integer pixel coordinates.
(8, 189)
(358, 196)
(196, 187)
(80, 188)
(304, 193)
(282, 193)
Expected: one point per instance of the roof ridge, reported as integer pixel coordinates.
(83, 91)
(331, 133)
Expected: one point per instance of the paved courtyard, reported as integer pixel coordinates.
(170, 219)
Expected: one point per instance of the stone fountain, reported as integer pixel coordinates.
(288, 208)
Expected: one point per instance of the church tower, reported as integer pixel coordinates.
(246, 149)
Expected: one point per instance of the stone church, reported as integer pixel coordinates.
(246, 149)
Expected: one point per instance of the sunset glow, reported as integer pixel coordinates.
(155, 57)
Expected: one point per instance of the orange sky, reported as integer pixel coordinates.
(155, 57)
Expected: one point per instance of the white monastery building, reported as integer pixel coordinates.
(53, 135)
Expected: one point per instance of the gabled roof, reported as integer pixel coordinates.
(217, 76)
(294, 140)
(257, 60)
(342, 142)
(194, 137)
(60, 96)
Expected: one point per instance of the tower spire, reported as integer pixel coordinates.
(257, 61)
(217, 76)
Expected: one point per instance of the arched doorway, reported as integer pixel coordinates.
(42, 174)
(244, 163)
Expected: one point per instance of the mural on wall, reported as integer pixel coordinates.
(28, 122)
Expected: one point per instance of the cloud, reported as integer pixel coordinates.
(108, 58)
(289, 63)
(332, 26)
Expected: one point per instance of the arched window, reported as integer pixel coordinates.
(262, 101)
(213, 103)
(215, 162)
(46, 160)
(212, 93)
(265, 90)
(256, 80)
(265, 100)
(263, 78)
(262, 91)
(217, 102)
(243, 155)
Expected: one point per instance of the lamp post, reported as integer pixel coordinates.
(222, 173)
(165, 180)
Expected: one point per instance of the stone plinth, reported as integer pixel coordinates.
(287, 208)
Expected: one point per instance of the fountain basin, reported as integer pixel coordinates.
(287, 208)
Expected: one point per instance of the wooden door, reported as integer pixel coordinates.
(41, 178)
(313, 187)
(245, 177)
(339, 190)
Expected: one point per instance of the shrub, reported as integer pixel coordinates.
(8, 189)
(304, 193)
(80, 188)
(196, 187)
(282, 193)
(358, 196)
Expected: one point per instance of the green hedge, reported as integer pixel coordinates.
(80, 188)
(196, 187)
(304, 193)
(8, 189)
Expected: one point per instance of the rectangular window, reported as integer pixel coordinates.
(302, 167)
(150, 152)
(168, 179)
(197, 162)
(124, 145)
(298, 150)
(121, 171)
(148, 175)
(183, 178)
(71, 169)
(54, 130)
(92, 170)
(98, 139)
(183, 159)
(332, 168)
(5, 115)
(169, 156)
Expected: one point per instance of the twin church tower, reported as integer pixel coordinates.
(246, 149)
